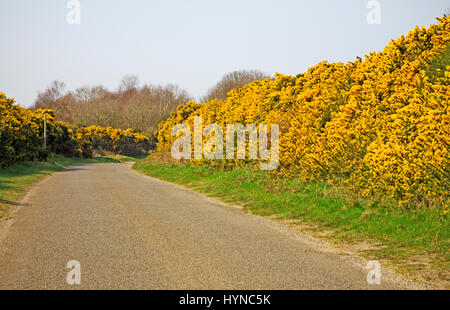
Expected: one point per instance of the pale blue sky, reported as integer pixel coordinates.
(191, 43)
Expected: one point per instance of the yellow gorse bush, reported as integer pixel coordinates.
(380, 125)
(118, 141)
(21, 136)
(21, 133)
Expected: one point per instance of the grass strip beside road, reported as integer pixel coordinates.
(415, 242)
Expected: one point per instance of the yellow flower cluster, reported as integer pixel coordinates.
(22, 130)
(21, 133)
(111, 140)
(380, 125)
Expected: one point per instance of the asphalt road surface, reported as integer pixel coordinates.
(130, 231)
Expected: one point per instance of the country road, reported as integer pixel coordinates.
(130, 231)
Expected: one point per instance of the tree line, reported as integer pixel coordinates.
(131, 105)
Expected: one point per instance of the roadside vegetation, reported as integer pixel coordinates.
(130, 106)
(378, 126)
(22, 137)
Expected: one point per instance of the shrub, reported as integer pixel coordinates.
(22, 131)
(380, 126)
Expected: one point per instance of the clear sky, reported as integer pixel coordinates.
(191, 43)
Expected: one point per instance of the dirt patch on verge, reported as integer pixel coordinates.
(418, 268)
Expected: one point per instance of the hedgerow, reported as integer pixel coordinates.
(22, 130)
(379, 126)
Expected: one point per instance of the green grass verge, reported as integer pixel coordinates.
(397, 235)
(119, 158)
(16, 179)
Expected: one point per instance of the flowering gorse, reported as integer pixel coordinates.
(21, 136)
(380, 126)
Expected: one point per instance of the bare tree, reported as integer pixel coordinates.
(130, 107)
(233, 80)
(129, 82)
(85, 94)
(51, 94)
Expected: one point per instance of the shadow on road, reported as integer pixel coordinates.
(73, 169)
